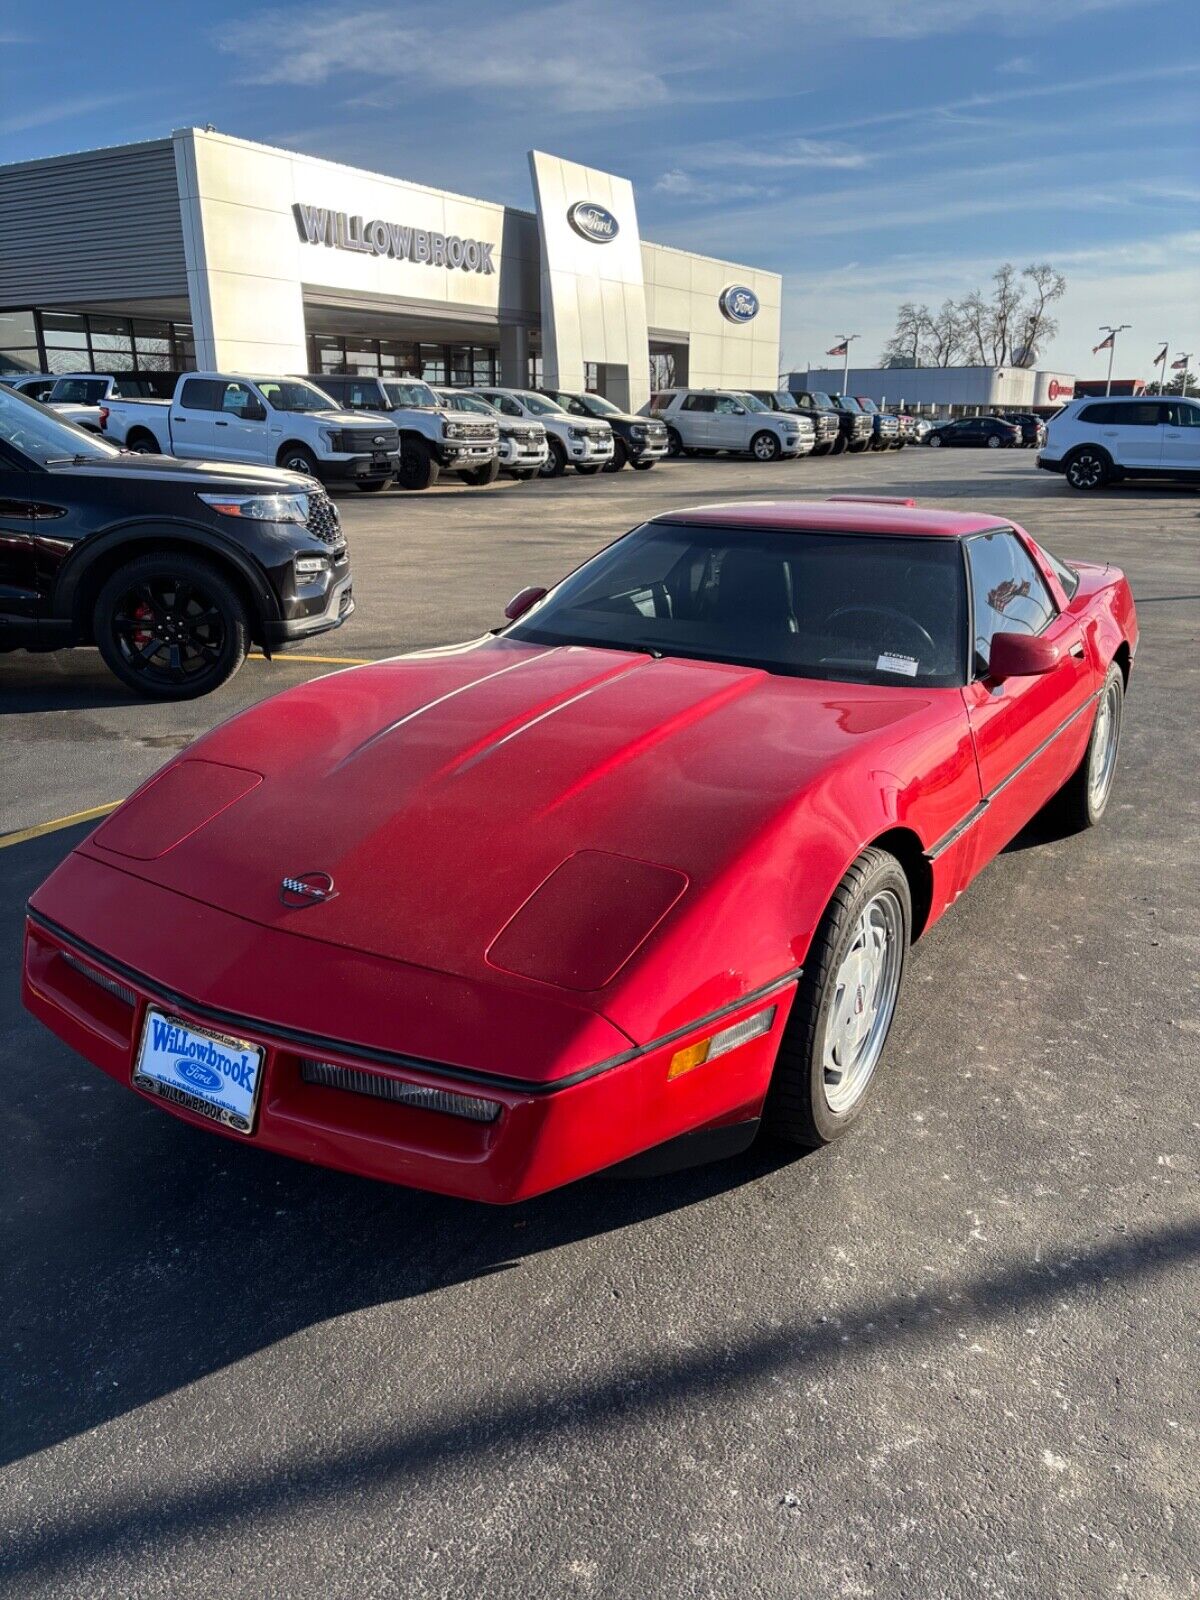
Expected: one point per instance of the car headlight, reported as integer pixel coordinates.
(332, 437)
(578, 433)
(260, 507)
(639, 433)
(453, 430)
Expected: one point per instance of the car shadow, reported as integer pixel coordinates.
(142, 1254)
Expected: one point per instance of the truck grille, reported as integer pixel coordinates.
(323, 520)
(477, 432)
(371, 440)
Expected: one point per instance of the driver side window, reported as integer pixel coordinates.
(1008, 594)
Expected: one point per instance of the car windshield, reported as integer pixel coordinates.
(599, 406)
(821, 400)
(46, 438)
(411, 395)
(752, 402)
(849, 607)
(845, 402)
(785, 402)
(78, 391)
(289, 394)
(869, 407)
(539, 404)
(468, 402)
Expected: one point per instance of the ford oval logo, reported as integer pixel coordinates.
(593, 222)
(739, 303)
(198, 1075)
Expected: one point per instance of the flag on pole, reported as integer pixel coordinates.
(1179, 366)
(1160, 357)
(1105, 344)
(839, 349)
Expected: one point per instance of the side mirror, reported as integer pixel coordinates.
(521, 602)
(1021, 655)
(739, 411)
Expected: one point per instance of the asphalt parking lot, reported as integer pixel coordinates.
(953, 1356)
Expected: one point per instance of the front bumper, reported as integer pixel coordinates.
(268, 987)
(649, 449)
(465, 455)
(588, 450)
(352, 469)
(320, 614)
(517, 456)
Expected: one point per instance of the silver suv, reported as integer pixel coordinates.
(706, 421)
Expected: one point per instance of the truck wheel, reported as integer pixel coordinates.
(143, 444)
(822, 449)
(589, 470)
(298, 458)
(373, 485)
(642, 466)
(523, 474)
(482, 476)
(418, 469)
(838, 447)
(674, 444)
(844, 1004)
(765, 446)
(857, 446)
(620, 456)
(555, 463)
(171, 626)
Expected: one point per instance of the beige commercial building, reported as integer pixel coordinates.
(202, 250)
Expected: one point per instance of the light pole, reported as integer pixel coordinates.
(1185, 356)
(846, 340)
(1111, 342)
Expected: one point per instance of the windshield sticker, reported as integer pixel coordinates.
(907, 665)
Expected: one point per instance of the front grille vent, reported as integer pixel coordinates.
(356, 1081)
(323, 520)
(122, 991)
(371, 439)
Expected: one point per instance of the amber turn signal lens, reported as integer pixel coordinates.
(720, 1044)
(684, 1060)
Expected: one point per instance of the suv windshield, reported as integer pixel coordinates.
(44, 437)
(466, 402)
(869, 407)
(821, 400)
(599, 406)
(752, 402)
(289, 394)
(414, 396)
(845, 402)
(539, 404)
(855, 608)
(784, 401)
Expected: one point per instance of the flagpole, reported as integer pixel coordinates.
(1162, 377)
(1185, 356)
(1111, 341)
(846, 339)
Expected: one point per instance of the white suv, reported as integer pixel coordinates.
(704, 421)
(1094, 442)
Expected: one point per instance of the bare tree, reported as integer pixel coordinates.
(907, 345)
(1044, 287)
(994, 330)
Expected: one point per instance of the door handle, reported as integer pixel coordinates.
(221, 424)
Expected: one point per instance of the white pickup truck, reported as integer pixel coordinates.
(277, 422)
(433, 440)
(78, 396)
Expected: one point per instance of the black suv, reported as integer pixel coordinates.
(826, 425)
(886, 433)
(639, 440)
(854, 429)
(171, 568)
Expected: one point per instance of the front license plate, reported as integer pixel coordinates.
(209, 1073)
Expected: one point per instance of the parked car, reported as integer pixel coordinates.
(285, 422)
(707, 421)
(522, 448)
(586, 446)
(37, 385)
(639, 874)
(820, 404)
(1094, 442)
(859, 428)
(887, 433)
(172, 569)
(638, 440)
(79, 396)
(434, 441)
(826, 426)
(990, 432)
(1033, 428)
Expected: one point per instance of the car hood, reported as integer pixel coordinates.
(438, 791)
(203, 474)
(348, 419)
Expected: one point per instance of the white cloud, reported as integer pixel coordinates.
(680, 185)
(51, 111)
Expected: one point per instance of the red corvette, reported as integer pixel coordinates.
(635, 874)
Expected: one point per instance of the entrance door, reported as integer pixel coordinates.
(1029, 733)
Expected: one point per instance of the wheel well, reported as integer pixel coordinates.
(1123, 656)
(135, 434)
(294, 444)
(908, 850)
(1096, 449)
(101, 569)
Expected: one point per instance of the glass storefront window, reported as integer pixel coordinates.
(110, 333)
(17, 331)
(16, 361)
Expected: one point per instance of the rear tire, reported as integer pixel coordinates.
(1083, 799)
(994, 441)
(934, 441)
(1088, 468)
(418, 469)
(171, 626)
(844, 1005)
(143, 444)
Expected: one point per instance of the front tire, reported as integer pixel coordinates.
(171, 626)
(674, 444)
(642, 465)
(373, 485)
(1083, 799)
(620, 456)
(857, 446)
(482, 476)
(934, 441)
(844, 1005)
(838, 447)
(295, 458)
(1089, 468)
(418, 469)
(555, 463)
(994, 441)
(765, 446)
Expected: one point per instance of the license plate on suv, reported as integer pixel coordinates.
(212, 1074)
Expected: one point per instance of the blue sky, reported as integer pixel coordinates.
(869, 153)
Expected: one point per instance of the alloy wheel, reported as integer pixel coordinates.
(169, 630)
(866, 985)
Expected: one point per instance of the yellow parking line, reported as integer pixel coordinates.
(324, 661)
(24, 834)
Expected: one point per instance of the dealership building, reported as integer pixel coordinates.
(205, 251)
(953, 391)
